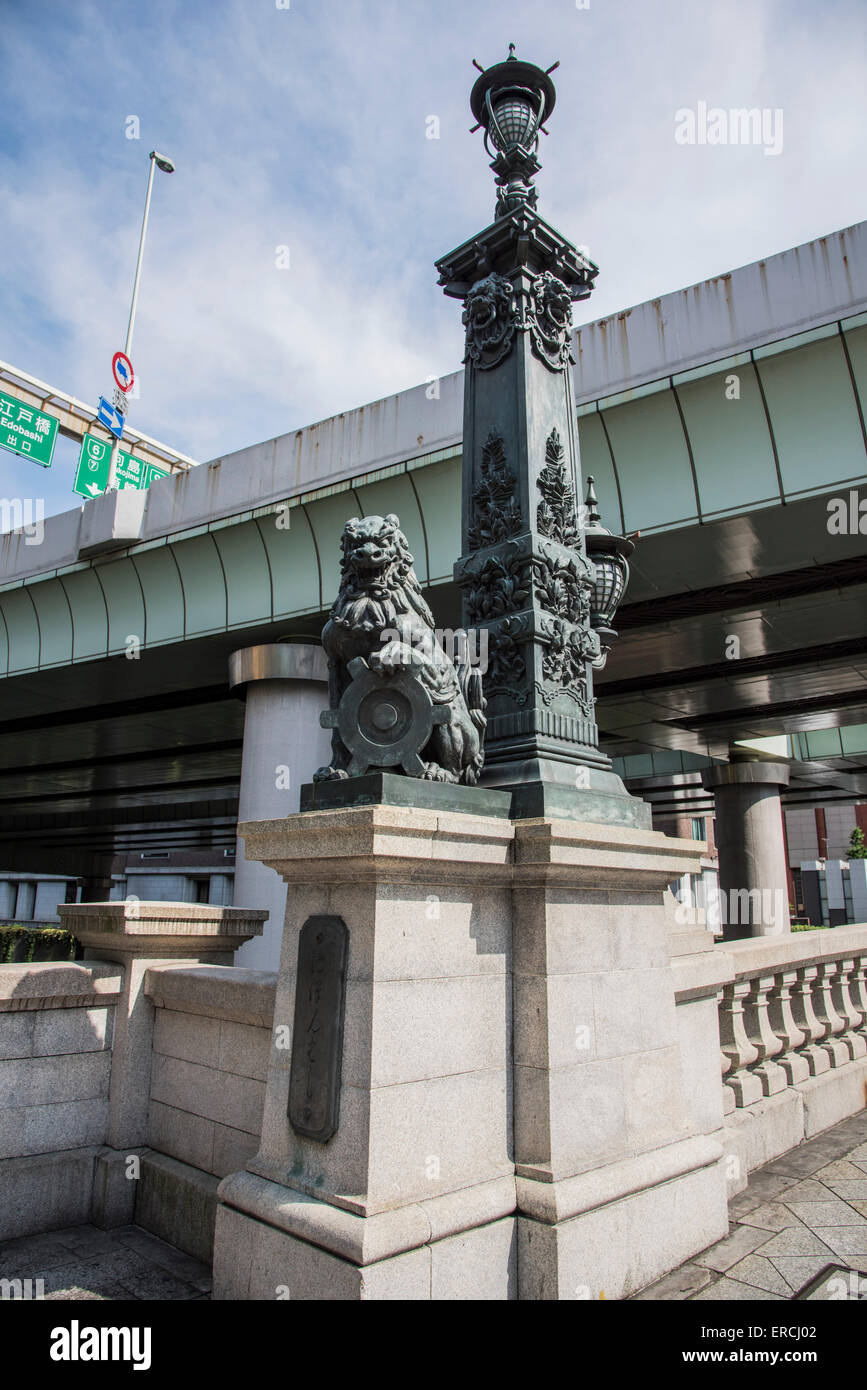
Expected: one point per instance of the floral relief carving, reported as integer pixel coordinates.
(556, 516)
(496, 514)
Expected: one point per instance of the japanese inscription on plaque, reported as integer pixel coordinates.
(317, 1036)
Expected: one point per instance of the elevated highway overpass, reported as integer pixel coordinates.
(719, 421)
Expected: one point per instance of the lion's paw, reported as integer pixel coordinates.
(381, 666)
(330, 774)
(434, 773)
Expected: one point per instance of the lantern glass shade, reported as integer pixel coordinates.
(515, 121)
(611, 577)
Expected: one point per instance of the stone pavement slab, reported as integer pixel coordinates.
(758, 1271)
(742, 1241)
(82, 1263)
(815, 1214)
(847, 1189)
(841, 1168)
(846, 1240)
(680, 1284)
(733, 1289)
(800, 1214)
(763, 1187)
(772, 1216)
(796, 1240)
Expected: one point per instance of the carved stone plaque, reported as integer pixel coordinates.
(317, 1035)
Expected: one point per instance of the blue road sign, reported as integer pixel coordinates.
(111, 418)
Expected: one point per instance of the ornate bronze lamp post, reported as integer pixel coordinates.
(545, 590)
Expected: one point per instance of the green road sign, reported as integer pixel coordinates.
(25, 430)
(93, 464)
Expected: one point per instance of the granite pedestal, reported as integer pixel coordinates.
(513, 1120)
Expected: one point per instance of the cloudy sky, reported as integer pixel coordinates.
(306, 127)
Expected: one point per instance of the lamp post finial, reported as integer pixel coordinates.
(512, 100)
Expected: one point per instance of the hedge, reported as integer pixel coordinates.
(20, 944)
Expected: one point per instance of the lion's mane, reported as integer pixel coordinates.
(376, 604)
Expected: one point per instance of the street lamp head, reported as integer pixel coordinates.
(512, 100)
(162, 161)
(609, 555)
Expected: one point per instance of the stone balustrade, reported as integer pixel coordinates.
(795, 1010)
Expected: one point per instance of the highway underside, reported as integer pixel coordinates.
(746, 627)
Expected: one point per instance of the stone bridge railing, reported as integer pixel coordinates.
(793, 1034)
(159, 1052)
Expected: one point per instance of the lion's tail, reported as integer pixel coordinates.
(470, 680)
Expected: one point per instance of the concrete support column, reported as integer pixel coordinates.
(752, 853)
(286, 688)
(95, 873)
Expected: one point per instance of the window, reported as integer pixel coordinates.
(698, 827)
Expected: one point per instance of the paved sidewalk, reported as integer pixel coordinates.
(84, 1263)
(798, 1214)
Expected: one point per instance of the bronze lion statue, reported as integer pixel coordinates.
(380, 615)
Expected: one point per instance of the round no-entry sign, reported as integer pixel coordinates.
(122, 371)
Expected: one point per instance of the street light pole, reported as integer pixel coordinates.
(167, 167)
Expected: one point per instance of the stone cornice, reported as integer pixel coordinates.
(58, 985)
(215, 991)
(590, 855)
(159, 930)
(373, 844)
